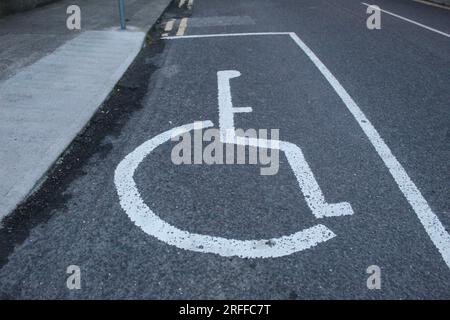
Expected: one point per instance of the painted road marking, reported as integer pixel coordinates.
(180, 4)
(412, 21)
(302, 171)
(190, 4)
(150, 223)
(436, 231)
(218, 35)
(182, 27)
(431, 223)
(226, 109)
(169, 25)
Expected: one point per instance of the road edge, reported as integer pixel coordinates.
(65, 142)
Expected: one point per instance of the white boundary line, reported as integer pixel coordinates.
(436, 231)
(411, 21)
(226, 35)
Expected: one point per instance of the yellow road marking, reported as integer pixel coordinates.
(182, 27)
(169, 25)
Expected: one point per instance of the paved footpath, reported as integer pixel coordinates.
(53, 79)
(363, 178)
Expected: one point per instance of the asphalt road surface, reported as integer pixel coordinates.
(369, 110)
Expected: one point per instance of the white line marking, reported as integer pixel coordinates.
(182, 27)
(150, 223)
(226, 109)
(169, 25)
(429, 220)
(412, 21)
(227, 35)
(180, 4)
(431, 223)
(302, 171)
(190, 4)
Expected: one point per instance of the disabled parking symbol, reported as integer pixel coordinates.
(145, 218)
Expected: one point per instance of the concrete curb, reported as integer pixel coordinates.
(51, 108)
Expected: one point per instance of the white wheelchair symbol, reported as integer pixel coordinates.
(152, 224)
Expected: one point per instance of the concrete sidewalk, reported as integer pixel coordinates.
(52, 80)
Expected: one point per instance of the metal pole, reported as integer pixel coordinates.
(123, 25)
